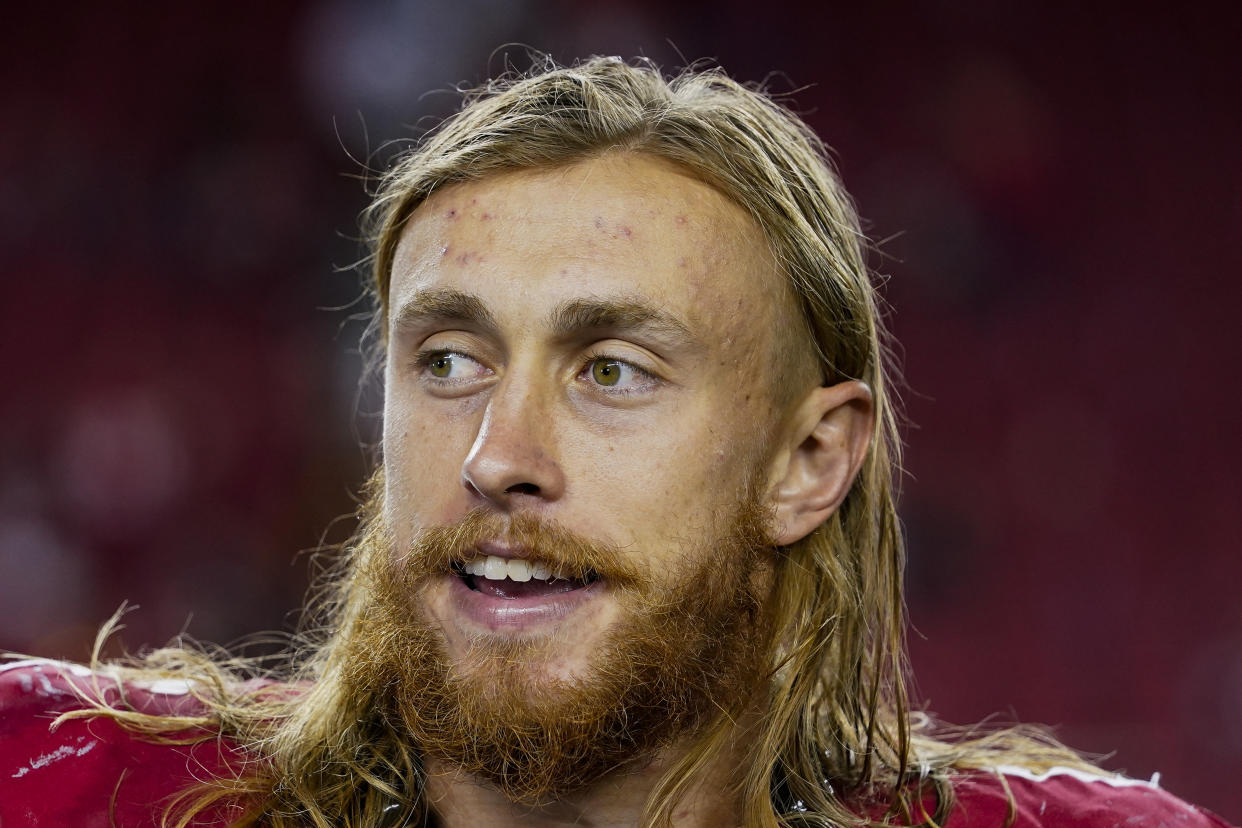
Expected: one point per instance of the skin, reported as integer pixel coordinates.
(522, 422)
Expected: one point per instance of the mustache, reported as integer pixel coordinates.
(436, 550)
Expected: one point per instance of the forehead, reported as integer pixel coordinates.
(619, 226)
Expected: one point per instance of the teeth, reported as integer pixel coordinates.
(519, 570)
(496, 568)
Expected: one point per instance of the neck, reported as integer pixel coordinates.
(461, 801)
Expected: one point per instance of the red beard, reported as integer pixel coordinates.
(686, 648)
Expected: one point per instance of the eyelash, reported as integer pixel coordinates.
(647, 378)
(423, 359)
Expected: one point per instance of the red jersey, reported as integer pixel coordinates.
(92, 773)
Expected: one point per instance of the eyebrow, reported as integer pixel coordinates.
(578, 315)
(443, 304)
(570, 318)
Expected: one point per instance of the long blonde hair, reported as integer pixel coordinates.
(840, 723)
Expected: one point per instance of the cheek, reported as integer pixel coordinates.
(423, 450)
(674, 479)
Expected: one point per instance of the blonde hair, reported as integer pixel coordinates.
(840, 722)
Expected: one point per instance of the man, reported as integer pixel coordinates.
(631, 556)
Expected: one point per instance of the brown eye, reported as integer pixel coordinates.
(606, 371)
(441, 366)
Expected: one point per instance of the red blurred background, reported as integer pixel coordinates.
(1057, 196)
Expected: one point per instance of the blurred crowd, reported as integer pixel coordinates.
(1054, 197)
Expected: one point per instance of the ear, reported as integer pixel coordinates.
(824, 447)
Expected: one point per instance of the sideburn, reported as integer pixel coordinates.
(686, 649)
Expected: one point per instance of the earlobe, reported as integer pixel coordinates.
(827, 442)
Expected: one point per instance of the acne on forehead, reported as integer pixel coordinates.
(650, 203)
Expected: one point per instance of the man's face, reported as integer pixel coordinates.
(589, 345)
(579, 383)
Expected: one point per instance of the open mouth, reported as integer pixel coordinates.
(516, 578)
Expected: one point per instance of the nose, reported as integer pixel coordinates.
(512, 459)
